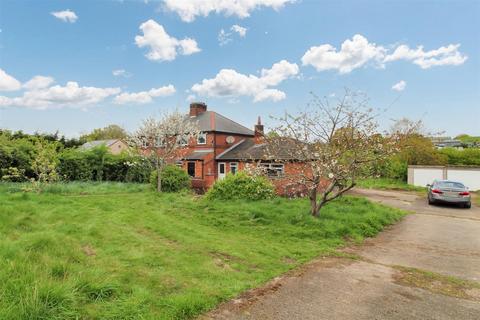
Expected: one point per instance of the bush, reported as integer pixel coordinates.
(97, 165)
(242, 186)
(466, 157)
(173, 178)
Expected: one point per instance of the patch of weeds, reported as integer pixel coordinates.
(98, 291)
(59, 271)
(437, 283)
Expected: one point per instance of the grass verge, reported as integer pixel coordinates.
(438, 283)
(387, 184)
(114, 251)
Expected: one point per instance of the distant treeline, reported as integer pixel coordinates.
(20, 151)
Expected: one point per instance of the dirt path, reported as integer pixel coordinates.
(425, 267)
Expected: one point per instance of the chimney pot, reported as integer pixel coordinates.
(259, 131)
(197, 108)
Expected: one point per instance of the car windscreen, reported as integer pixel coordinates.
(450, 184)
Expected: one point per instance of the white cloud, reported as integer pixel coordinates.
(359, 52)
(163, 47)
(70, 95)
(230, 83)
(442, 56)
(65, 15)
(399, 86)
(7, 82)
(242, 32)
(353, 54)
(189, 10)
(225, 37)
(121, 73)
(144, 96)
(38, 82)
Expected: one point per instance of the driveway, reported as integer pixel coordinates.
(412, 270)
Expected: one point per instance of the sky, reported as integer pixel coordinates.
(73, 66)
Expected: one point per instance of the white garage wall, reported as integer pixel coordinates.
(423, 175)
(470, 178)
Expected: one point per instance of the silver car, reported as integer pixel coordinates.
(447, 191)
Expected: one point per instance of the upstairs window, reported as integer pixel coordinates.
(159, 142)
(273, 169)
(182, 140)
(202, 138)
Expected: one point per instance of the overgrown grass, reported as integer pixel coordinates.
(111, 252)
(78, 187)
(387, 184)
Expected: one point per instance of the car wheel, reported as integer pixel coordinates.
(430, 201)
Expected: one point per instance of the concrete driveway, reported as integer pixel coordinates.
(413, 270)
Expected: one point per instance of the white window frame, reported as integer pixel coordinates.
(159, 142)
(271, 167)
(183, 140)
(202, 134)
(233, 164)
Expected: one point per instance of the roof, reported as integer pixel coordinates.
(93, 144)
(197, 155)
(212, 121)
(248, 150)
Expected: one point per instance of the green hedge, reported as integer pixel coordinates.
(242, 186)
(99, 165)
(173, 178)
(466, 157)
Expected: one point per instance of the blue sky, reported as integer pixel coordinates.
(57, 66)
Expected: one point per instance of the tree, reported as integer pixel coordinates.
(335, 144)
(45, 163)
(164, 139)
(112, 131)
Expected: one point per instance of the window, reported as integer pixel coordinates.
(273, 169)
(202, 138)
(159, 142)
(179, 164)
(191, 169)
(182, 140)
(233, 167)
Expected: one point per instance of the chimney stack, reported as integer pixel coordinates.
(259, 131)
(197, 108)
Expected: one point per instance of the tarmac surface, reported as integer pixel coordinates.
(440, 239)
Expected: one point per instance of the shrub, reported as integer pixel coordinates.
(242, 186)
(77, 165)
(173, 178)
(468, 157)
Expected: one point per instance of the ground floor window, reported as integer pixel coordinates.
(273, 169)
(191, 169)
(233, 167)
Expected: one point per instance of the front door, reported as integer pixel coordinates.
(221, 170)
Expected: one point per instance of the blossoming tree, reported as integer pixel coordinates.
(334, 144)
(164, 139)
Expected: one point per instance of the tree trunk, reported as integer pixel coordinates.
(313, 202)
(159, 178)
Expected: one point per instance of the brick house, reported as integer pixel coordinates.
(224, 146)
(115, 146)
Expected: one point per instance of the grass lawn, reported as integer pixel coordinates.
(120, 251)
(387, 184)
